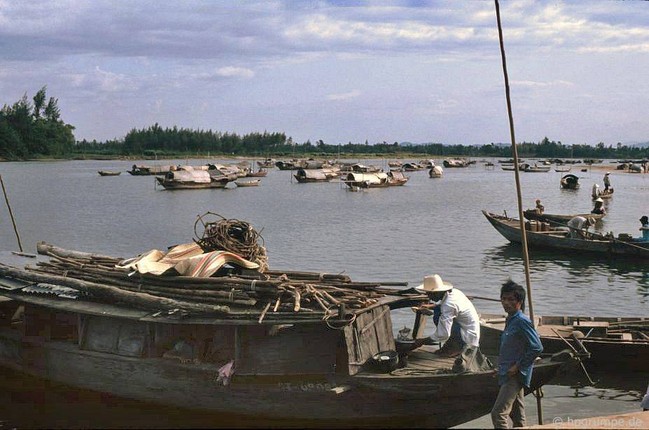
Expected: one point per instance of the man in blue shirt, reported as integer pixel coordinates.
(644, 229)
(519, 346)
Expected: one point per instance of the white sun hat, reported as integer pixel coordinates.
(434, 283)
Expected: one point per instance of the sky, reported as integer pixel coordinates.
(336, 71)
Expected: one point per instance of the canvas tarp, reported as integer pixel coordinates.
(187, 260)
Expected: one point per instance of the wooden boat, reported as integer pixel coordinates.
(455, 162)
(556, 219)
(569, 182)
(142, 337)
(248, 183)
(614, 343)
(187, 178)
(604, 194)
(304, 176)
(561, 240)
(267, 163)
(149, 170)
(261, 173)
(411, 167)
(534, 168)
(563, 169)
(375, 180)
(435, 172)
(108, 173)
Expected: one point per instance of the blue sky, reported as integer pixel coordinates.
(417, 71)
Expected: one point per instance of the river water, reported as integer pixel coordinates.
(394, 234)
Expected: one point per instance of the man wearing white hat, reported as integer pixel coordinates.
(599, 207)
(455, 307)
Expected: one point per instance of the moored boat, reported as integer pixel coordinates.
(569, 182)
(314, 175)
(272, 352)
(261, 173)
(375, 180)
(187, 178)
(435, 172)
(248, 182)
(108, 173)
(614, 343)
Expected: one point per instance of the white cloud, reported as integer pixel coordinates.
(344, 96)
(237, 72)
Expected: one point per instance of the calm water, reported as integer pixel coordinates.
(395, 234)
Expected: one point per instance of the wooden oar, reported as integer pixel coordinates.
(576, 352)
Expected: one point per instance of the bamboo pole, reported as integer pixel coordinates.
(11, 214)
(526, 259)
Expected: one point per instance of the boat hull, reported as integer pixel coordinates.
(508, 228)
(605, 354)
(366, 400)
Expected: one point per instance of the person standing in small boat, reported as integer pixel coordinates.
(599, 207)
(519, 346)
(607, 182)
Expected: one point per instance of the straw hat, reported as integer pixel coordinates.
(599, 199)
(433, 284)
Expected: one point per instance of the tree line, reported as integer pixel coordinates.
(34, 129)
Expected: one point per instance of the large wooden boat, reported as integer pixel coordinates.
(376, 180)
(557, 219)
(560, 239)
(148, 170)
(456, 162)
(315, 175)
(614, 343)
(187, 178)
(315, 356)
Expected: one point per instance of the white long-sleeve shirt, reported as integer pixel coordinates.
(455, 305)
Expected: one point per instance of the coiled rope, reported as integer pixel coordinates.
(232, 235)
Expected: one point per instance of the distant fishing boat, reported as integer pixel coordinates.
(108, 173)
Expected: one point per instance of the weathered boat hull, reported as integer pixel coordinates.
(252, 183)
(368, 400)
(509, 229)
(177, 185)
(605, 353)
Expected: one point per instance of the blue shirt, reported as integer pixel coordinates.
(521, 344)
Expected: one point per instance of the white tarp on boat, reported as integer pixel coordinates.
(187, 259)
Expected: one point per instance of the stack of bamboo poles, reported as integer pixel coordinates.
(273, 295)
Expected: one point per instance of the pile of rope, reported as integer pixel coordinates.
(238, 237)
